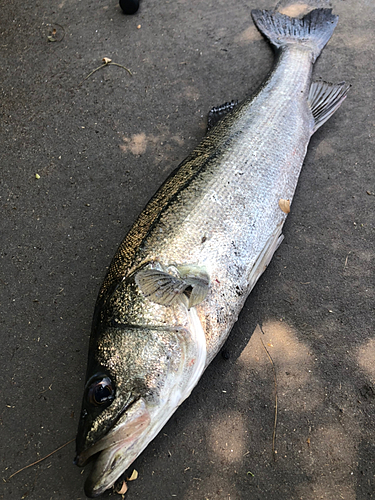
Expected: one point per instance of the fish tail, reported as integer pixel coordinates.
(312, 31)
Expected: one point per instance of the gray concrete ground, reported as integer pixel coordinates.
(101, 148)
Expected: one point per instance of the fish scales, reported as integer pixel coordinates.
(197, 161)
(182, 274)
(229, 210)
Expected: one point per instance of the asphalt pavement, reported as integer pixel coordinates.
(82, 152)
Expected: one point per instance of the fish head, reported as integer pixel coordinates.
(136, 378)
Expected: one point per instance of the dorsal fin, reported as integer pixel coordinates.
(218, 112)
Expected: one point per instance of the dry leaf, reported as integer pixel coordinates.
(134, 476)
(123, 489)
(284, 205)
(106, 60)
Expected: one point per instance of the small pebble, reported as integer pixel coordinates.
(225, 354)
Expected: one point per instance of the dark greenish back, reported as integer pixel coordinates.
(175, 183)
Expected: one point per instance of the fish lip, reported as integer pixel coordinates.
(123, 436)
(90, 493)
(84, 456)
(94, 487)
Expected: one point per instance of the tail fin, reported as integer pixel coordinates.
(313, 31)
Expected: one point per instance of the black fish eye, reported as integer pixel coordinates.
(101, 392)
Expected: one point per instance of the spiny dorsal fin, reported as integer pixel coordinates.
(324, 99)
(187, 284)
(218, 112)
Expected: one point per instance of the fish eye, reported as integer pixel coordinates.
(101, 392)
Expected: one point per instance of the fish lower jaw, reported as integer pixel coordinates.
(118, 456)
(95, 488)
(114, 460)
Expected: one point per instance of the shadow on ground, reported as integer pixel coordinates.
(101, 148)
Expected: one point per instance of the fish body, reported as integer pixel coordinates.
(182, 274)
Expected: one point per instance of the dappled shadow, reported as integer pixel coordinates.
(115, 139)
(219, 443)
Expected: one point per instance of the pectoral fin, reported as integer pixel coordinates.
(188, 284)
(197, 280)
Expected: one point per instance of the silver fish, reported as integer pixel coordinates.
(181, 276)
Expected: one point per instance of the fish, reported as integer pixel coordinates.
(181, 276)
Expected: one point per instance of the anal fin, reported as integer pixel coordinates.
(324, 99)
(265, 256)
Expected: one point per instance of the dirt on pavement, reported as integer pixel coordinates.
(79, 160)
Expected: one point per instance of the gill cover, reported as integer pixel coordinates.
(142, 374)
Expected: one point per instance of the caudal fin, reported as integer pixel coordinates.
(312, 31)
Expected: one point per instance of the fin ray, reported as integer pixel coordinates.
(159, 286)
(265, 256)
(218, 112)
(188, 284)
(324, 99)
(313, 30)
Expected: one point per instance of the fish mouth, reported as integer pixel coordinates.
(116, 450)
(144, 418)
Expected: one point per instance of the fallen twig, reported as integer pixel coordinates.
(106, 62)
(274, 452)
(41, 459)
